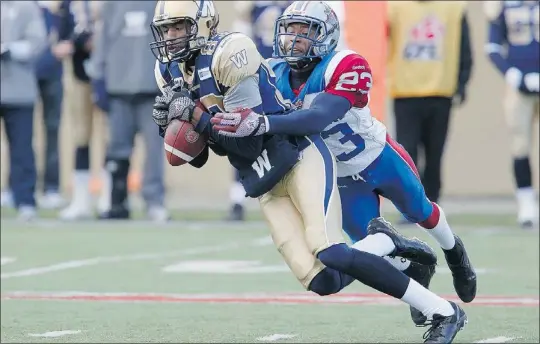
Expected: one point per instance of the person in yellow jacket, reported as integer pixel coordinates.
(430, 64)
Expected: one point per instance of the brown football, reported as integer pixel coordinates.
(182, 143)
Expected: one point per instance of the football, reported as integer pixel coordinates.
(182, 143)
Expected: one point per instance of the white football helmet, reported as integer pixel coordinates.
(323, 32)
(200, 19)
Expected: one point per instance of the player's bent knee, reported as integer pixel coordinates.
(521, 147)
(327, 282)
(337, 257)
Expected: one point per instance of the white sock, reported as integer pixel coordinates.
(525, 195)
(378, 244)
(398, 262)
(426, 301)
(81, 189)
(442, 231)
(104, 200)
(237, 193)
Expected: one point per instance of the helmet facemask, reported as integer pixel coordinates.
(181, 48)
(300, 47)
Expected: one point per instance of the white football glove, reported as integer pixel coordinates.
(532, 82)
(242, 123)
(514, 77)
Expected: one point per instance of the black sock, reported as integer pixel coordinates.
(82, 158)
(119, 170)
(522, 173)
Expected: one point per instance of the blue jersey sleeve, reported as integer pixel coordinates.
(325, 109)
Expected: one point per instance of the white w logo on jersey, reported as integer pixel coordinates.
(240, 59)
(262, 164)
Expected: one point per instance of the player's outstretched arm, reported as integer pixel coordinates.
(247, 147)
(325, 109)
(347, 85)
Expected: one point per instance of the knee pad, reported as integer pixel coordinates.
(328, 282)
(339, 257)
(433, 219)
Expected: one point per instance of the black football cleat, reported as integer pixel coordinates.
(115, 213)
(423, 275)
(236, 213)
(445, 328)
(413, 249)
(462, 271)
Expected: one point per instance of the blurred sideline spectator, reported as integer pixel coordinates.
(49, 74)
(124, 63)
(23, 38)
(514, 50)
(430, 63)
(84, 20)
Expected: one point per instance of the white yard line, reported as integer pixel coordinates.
(73, 264)
(192, 225)
(275, 337)
(54, 334)
(7, 260)
(500, 339)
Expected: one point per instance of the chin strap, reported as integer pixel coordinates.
(304, 65)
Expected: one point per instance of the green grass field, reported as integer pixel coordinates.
(209, 281)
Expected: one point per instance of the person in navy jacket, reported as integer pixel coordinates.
(49, 76)
(514, 50)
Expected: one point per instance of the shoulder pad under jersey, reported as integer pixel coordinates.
(235, 58)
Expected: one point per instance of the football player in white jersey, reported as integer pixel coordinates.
(331, 91)
(294, 177)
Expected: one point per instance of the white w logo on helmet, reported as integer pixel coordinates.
(207, 8)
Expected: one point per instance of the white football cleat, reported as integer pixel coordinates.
(81, 203)
(51, 200)
(158, 214)
(76, 211)
(527, 208)
(6, 199)
(26, 213)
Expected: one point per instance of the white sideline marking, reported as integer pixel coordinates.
(73, 264)
(54, 334)
(500, 339)
(275, 337)
(224, 267)
(7, 260)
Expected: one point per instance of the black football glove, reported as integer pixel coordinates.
(174, 103)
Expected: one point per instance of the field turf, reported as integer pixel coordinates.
(198, 279)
